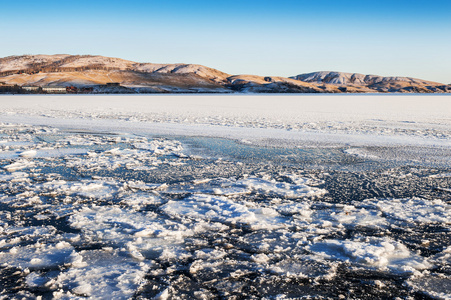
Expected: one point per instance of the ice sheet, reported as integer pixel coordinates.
(301, 119)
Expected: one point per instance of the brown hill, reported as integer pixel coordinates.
(87, 70)
(373, 83)
(96, 71)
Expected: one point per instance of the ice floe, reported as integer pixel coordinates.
(375, 252)
(413, 210)
(101, 274)
(19, 165)
(223, 210)
(38, 255)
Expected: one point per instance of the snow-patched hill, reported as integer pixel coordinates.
(89, 70)
(95, 70)
(67, 62)
(372, 82)
(343, 78)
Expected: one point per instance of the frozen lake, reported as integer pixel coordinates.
(225, 197)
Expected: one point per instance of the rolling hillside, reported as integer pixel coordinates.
(96, 71)
(373, 82)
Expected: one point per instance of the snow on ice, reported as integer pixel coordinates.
(135, 212)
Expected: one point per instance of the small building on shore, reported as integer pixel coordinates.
(111, 84)
(31, 89)
(54, 90)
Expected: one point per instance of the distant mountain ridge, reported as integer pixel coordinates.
(343, 78)
(96, 71)
(373, 82)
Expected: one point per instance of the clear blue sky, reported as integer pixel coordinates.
(286, 38)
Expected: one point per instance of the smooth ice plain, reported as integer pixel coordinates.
(225, 197)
